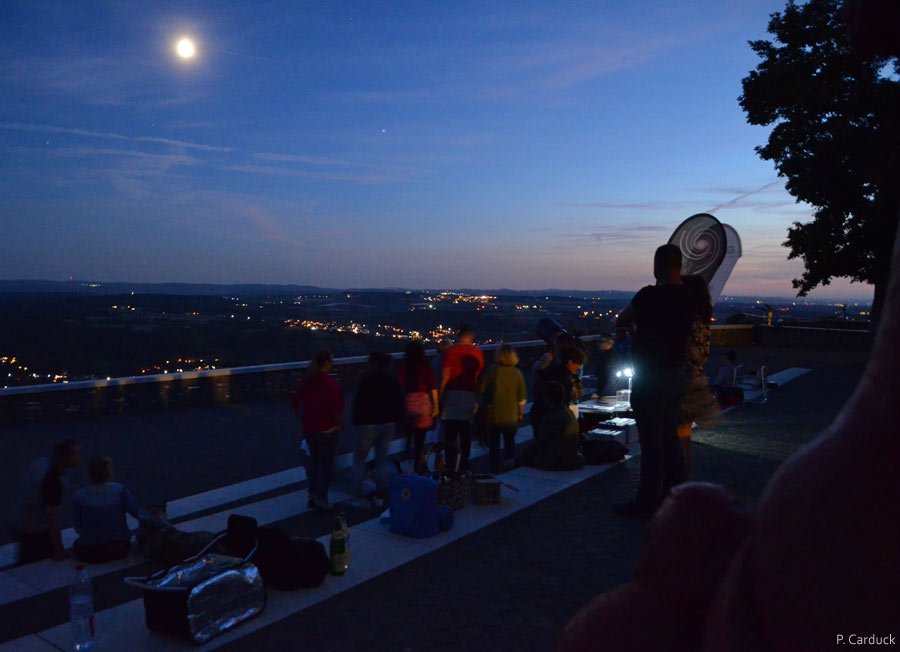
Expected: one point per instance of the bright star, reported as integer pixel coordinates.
(185, 48)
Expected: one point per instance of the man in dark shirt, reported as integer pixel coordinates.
(377, 409)
(564, 370)
(660, 316)
(36, 519)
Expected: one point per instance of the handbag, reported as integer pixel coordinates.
(452, 492)
(202, 596)
(418, 409)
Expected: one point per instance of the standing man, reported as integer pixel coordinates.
(36, 518)
(377, 409)
(463, 363)
(661, 316)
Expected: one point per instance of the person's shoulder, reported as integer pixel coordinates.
(645, 293)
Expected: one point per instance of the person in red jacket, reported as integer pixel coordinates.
(319, 402)
(462, 365)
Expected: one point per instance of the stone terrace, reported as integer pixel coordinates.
(505, 578)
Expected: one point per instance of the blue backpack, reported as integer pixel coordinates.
(414, 508)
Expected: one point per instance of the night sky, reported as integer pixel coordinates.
(444, 144)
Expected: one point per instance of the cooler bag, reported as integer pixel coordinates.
(202, 596)
(414, 508)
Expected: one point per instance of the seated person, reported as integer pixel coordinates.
(35, 520)
(565, 372)
(99, 517)
(727, 372)
(557, 437)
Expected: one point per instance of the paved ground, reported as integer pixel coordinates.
(514, 584)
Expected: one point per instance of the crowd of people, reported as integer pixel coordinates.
(667, 323)
(461, 397)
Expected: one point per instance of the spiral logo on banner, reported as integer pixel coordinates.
(703, 244)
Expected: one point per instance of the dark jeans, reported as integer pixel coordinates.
(34, 546)
(322, 447)
(101, 554)
(458, 441)
(656, 399)
(418, 442)
(509, 445)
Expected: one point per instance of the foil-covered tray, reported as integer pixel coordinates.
(224, 600)
(202, 596)
(191, 572)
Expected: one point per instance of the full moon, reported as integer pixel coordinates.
(185, 48)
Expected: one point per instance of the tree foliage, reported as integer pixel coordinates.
(835, 138)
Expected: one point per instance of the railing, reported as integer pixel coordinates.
(136, 394)
(814, 337)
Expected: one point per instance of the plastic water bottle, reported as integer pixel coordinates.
(81, 610)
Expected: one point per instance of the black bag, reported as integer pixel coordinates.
(288, 564)
(603, 451)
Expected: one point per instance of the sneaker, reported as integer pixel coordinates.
(634, 509)
(362, 502)
(322, 505)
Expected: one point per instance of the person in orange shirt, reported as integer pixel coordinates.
(462, 365)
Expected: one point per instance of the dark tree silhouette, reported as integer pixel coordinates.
(835, 137)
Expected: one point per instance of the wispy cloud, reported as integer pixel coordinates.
(510, 70)
(561, 65)
(94, 80)
(109, 135)
(168, 160)
(740, 199)
(637, 205)
(743, 195)
(621, 234)
(272, 170)
(286, 223)
(318, 161)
